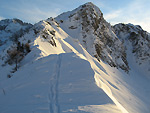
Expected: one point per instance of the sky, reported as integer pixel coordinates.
(115, 11)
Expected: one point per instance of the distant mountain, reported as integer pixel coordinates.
(76, 62)
(12, 27)
(10, 31)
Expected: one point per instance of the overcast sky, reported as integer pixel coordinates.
(115, 11)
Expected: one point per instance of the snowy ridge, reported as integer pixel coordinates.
(60, 75)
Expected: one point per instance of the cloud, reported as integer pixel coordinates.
(37, 14)
(34, 14)
(144, 23)
(113, 14)
(137, 12)
(1, 18)
(30, 10)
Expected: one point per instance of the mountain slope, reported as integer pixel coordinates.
(60, 74)
(51, 77)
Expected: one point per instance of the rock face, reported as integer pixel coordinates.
(139, 41)
(86, 23)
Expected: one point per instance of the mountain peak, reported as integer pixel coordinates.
(89, 3)
(86, 23)
(91, 7)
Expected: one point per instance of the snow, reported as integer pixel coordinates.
(61, 86)
(66, 78)
(56, 82)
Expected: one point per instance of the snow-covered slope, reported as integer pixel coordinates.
(53, 83)
(59, 75)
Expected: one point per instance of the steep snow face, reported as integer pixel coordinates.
(137, 42)
(86, 23)
(49, 37)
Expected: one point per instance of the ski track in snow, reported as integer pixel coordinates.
(54, 82)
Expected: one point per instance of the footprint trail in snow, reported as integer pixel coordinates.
(54, 82)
